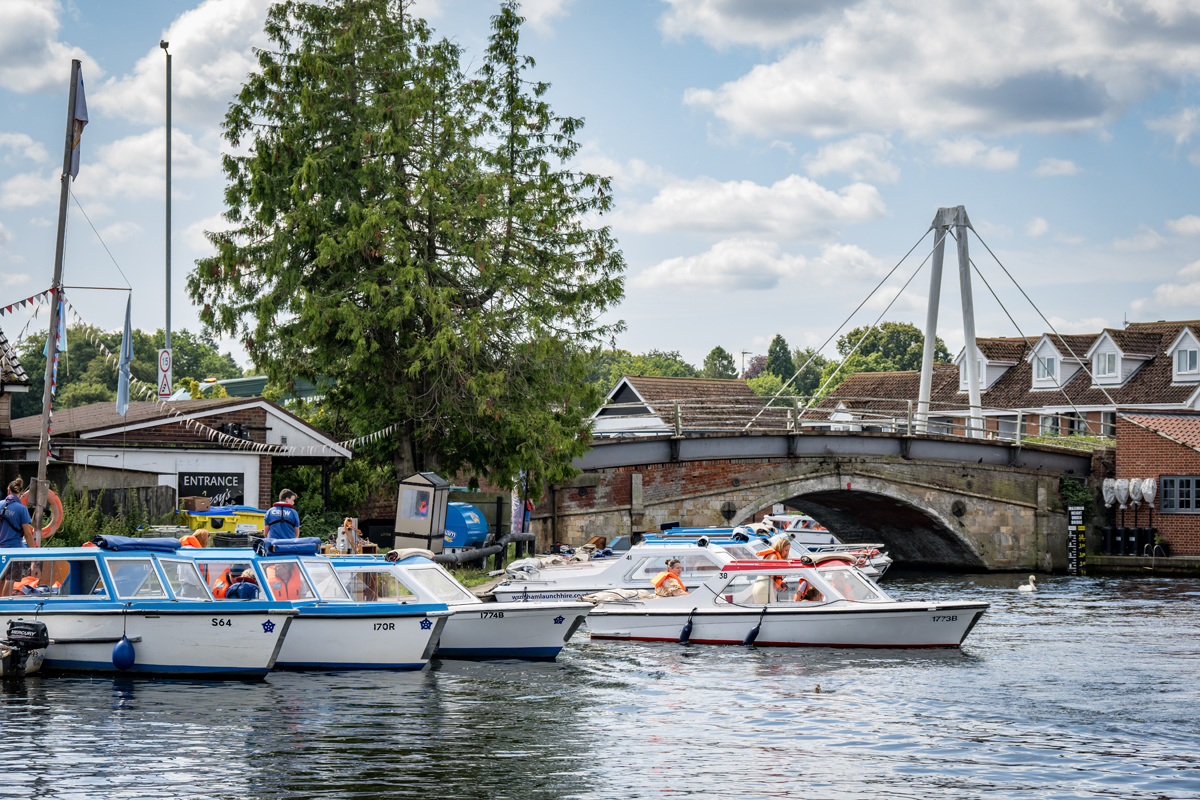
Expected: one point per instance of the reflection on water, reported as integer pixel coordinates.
(1084, 689)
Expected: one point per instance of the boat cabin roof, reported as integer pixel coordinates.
(773, 566)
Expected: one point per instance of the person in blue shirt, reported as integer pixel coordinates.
(16, 527)
(281, 520)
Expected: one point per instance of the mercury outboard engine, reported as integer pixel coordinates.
(23, 637)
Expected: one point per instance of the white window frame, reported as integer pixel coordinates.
(1045, 368)
(1188, 357)
(1106, 365)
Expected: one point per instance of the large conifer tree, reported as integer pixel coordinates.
(415, 237)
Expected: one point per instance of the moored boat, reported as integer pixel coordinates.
(91, 599)
(534, 631)
(788, 604)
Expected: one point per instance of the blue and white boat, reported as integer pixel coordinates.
(333, 631)
(478, 630)
(91, 599)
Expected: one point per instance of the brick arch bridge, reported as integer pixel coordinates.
(935, 501)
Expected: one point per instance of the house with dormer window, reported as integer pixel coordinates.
(1054, 384)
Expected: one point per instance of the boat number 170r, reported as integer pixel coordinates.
(953, 618)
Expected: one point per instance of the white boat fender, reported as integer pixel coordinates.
(702, 541)
(752, 636)
(685, 635)
(123, 655)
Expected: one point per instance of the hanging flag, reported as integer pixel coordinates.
(123, 366)
(62, 332)
(81, 119)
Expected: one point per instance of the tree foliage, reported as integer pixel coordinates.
(901, 343)
(779, 358)
(608, 366)
(809, 380)
(410, 234)
(755, 367)
(719, 364)
(85, 377)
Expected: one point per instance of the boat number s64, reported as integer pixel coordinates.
(222, 623)
(946, 619)
(385, 626)
(491, 615)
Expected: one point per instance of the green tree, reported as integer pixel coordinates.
(875, 362)
(779, 358)
(755, 368)
(901, 343)
(410, 235)
(84, 376)
(719, 364)
(809, 380)
(608, 366)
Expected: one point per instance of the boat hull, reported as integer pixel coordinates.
(943, 625)
(528, 631)
(379, 639)
(213, 642)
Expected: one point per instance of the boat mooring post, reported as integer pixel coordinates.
(41, 489)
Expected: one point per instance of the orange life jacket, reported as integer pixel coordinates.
(221, 584)
(774, 555)
(662, 578)
(801, 590)
(285, 591)
(190, 541)
(31, 582)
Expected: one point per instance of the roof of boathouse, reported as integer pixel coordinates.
(1180, 428)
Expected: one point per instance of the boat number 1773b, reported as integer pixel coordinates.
(953, 618)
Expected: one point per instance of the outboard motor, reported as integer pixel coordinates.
(23, 637)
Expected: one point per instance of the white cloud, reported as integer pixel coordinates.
(1146, 238)
(969, 152)
(1185, 226)
(29, 189)
(991, 229)
(1036, 227)
(211, 48)
(539, 13)
(31, 57)
(119, 231)
(794, 208)
(193, 235)
(928, 67)
(757, 265)
(23, 145)
(1192, 270)
(5, 235)
(624, 174)
(1086, 325)
(863, 158)
(1181, 126)
(1173, 295)
(8, 279)
(1056, 167)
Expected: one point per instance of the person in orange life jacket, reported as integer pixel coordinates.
(778, 551)
(281, 519)
(31, 580)
(668, 583)
(806, 592)
(221, 584)
(197, 539)
(285, 582)
(16, 526)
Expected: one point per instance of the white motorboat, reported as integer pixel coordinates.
(333, 630)
(701, 557)
(806, 532)
(90, 599)
(755, 602)
(478, 630)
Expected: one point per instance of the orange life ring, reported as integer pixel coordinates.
(56, 515)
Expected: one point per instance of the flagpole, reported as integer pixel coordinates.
(41, 493)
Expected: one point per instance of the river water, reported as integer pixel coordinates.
(1085, 689)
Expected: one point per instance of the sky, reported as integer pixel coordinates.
(772, 160)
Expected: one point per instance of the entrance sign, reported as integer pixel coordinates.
(164, 374)
(222, 488)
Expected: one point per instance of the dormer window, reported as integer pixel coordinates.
(1045, 368)
(1185, 361)
(1106, 365)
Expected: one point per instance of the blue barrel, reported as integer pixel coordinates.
(465, 525)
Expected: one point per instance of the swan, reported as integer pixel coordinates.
(1029, 587)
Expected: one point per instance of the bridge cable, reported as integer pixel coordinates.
(817, 351)
(1040, 360)
(1082, 362)
(864, 336)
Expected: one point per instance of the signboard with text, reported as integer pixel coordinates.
(222, 488)
(1076, 541)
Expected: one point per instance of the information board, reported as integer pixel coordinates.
(1076, 541)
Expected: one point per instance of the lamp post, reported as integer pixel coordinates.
(164, 45)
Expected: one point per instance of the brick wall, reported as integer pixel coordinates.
(1144, 454)
(265, 498)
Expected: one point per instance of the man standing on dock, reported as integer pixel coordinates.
(281, 519)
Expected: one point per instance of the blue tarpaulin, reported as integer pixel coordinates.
(305, 546)
(166, 544)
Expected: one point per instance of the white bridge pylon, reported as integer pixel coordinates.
(943, 221)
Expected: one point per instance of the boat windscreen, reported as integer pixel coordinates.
(374, 586)
(740, 552)
(77, 578)
(135, 578)
(851, 586)
(443, 587)
(327, 583)
(185, 579)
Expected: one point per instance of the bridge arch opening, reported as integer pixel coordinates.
(916, 537)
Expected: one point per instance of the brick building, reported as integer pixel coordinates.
(159, 444)
(1166, 447)
(1146, 365)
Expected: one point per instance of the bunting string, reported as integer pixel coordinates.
(19, 304)
(150, 393)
